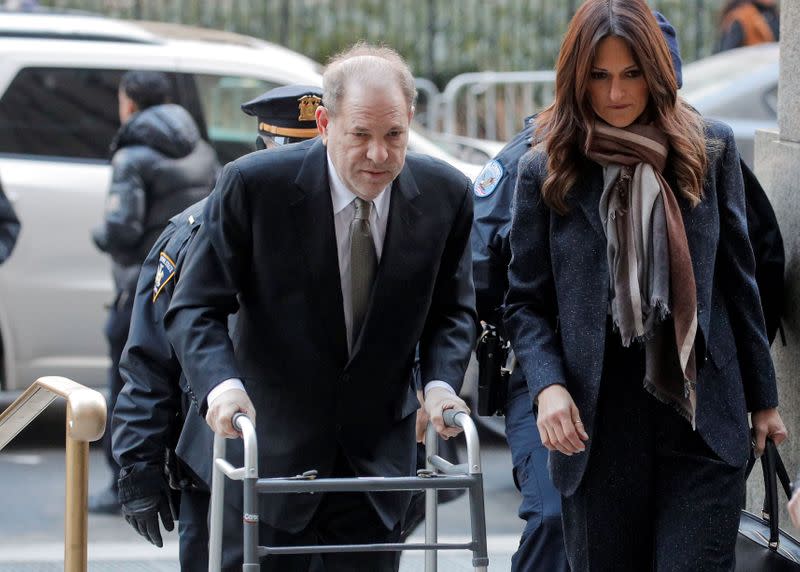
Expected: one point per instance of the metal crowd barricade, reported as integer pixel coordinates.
(440, 474)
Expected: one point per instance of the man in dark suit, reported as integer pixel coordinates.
(340, 255)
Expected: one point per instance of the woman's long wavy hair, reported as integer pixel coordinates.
(566, 127)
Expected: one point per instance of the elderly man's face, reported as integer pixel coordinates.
(367, 137)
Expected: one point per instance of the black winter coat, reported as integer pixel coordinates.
(161, 165)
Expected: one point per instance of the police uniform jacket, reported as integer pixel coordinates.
(268, 235)
(557, 303)
(152, 405)
(160, 166)
(491, 251)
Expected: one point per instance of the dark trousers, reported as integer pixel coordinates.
(654, 495)
(541, 546)
(116, 331)
(341, 518)
(193, 530)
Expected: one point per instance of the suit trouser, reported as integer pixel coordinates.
(193, 530)
(654, 495)
(116, 331)
(340, 518)
(541, 546)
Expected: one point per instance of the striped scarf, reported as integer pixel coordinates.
(650, 267)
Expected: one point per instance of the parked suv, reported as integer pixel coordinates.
(58, 114)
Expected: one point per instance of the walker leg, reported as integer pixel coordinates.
(480, 555)
(215, 510)
(250, 527)
(431, 503)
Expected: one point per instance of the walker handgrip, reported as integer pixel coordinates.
(235, 420)
(449, 417)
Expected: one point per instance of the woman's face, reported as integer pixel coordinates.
(618, 91)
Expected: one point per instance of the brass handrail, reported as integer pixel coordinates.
(86, 421)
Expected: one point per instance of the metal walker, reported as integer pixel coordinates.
(440, 474)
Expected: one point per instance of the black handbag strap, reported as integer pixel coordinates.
(773, 470)
(770, 510)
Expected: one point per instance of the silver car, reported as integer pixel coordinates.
(739, 87)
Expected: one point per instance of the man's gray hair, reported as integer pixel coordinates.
(363, 63)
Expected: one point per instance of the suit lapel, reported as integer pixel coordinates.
(312, 210)
(587, 194)
(399, 243)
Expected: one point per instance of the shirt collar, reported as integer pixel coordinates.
(342, 196)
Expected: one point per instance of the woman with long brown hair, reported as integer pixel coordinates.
(632, 306)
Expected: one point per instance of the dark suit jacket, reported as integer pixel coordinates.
(557, 301)
(268, 236)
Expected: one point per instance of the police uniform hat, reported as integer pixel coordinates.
(286, 111)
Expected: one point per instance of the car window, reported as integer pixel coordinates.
(60, 112)
(71, 113)
(230, 130)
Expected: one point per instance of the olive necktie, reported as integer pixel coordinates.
(363, 264)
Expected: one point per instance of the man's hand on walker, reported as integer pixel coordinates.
(222, 409)
(437, 399)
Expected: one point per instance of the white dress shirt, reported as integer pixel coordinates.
(344, 211)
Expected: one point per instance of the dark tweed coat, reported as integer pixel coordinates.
(557, 302)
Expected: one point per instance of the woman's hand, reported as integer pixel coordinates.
(767, 423)
(559, 422)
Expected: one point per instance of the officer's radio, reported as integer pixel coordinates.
(492, 353)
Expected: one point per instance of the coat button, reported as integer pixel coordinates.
(345, 378)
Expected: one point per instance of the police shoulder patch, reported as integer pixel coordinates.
(488, 179)
(165, 273)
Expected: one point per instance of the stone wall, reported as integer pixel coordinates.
(777, 165)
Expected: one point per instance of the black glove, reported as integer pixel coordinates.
(142, 515)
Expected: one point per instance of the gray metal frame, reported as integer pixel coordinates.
(441, 474)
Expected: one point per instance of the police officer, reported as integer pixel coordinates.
(160, 165)
(541, 546)
(148, 422)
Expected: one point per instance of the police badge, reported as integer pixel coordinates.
(308, 107)
(165, 272)
(488, 179)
